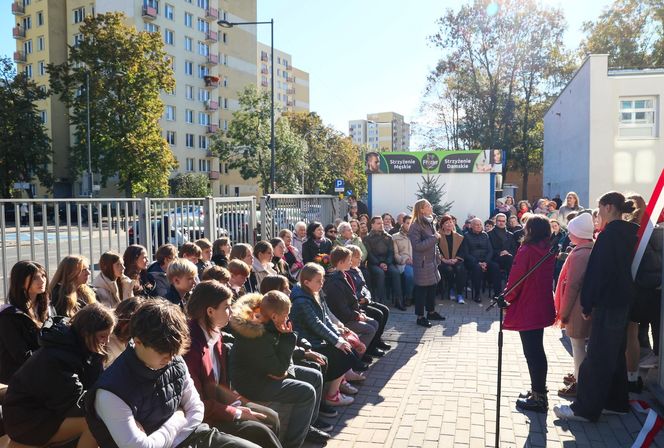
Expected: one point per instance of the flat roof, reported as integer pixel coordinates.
(635, 71)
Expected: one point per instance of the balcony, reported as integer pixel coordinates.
(210, 153)
(18, 9)
(264, 83)
(291, 79)
(264, 57)
(19, 56)
(149, 12)
(214, 175)
(212, 14)
(212, 128)
(211, 81)
(212, 59)
(211, 36)
(291, 91)
(289, 68)
(211, 105)
(18, 32)
(265, 71)
(290, 104)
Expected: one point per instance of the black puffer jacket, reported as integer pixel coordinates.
(310, 249)
(19, 338)
(380, 248)
(649, 274)
(340, 297)
(50, 384)
(478, 248)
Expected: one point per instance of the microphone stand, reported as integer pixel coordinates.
(501, 303)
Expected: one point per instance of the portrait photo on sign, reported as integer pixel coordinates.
(373, 163)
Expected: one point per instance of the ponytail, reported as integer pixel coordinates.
(622, 205)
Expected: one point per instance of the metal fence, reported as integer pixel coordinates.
(47, 230)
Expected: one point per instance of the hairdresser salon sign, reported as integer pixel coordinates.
(475, 161)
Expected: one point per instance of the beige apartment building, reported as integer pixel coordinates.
(211, 65)
(291, 85)
(382, 131)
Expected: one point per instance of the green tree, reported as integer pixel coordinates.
(631, 32)
(434, 193)
(190, 185)
(246, 144)
(25, 149)
(128, 69)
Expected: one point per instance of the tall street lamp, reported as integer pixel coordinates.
(227, 24)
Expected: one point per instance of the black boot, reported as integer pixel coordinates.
(537, 402)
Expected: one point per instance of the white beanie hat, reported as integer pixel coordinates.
(582, 226)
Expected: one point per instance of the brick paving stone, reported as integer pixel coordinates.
(436, 387)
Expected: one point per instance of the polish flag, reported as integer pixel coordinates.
(650, 429)
(648, 223)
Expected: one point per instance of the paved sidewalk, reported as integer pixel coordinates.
(436, 388)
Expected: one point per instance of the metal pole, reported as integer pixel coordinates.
(87, 132)
(272, 148)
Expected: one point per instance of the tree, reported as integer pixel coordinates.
(190, 185)
(25, 148)
(432, 192)
(128, 69)
(246, 144)
(631, 32)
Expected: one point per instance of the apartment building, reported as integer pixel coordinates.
(382, 131)
(291, 85)
(211, 65)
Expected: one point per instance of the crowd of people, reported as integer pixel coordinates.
(207, 344)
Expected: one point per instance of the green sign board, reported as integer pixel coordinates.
(430, 162)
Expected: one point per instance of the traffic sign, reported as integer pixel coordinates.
(339, 186)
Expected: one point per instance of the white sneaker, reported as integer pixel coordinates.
(650, 361)
(566, 413)
(339, 400)
(460, 299)
(348, 389)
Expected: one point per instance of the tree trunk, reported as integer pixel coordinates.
(524, 190)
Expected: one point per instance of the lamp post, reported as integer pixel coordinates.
(87, 132)
(226, 24)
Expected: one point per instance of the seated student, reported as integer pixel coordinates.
(452, 255)
(377, 311)
(489, 224)
(216, 273)
(503, 243)
(262, 368)
(209, 311)
(479, 258)
(147, 398)
(240, 272)
(340, 297)
(316, 242)
(69, 289)
(182, 276)
(190, 251)
(205, 260)
(244, 252)
(135, 259)
(221, 249)
(279, 262)
(381, 262)
(42, 406)
(166, 254)
(21, 320)
(311, 322)
(120, 336)
(111, 285)
(262, 266)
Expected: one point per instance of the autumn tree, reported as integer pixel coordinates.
(25, 148)
(127, 71)
(190, 185)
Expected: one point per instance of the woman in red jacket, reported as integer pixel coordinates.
(531, 307)
(209, 309)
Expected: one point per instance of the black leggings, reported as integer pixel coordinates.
(380, 313)
(533, 349)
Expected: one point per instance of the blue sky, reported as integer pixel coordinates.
(363, 56)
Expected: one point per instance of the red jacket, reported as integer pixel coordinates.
(216, 397)
(531, 303)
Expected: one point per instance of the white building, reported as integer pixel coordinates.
(603, 132)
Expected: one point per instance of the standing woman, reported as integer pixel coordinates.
(21, 320)
(424, 240)
(531, 307)
(69, 289)
(607, 295)
(571, 205)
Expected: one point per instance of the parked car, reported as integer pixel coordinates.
(235, 225)
(175, 236)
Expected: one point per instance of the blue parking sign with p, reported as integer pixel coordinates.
(339, 186)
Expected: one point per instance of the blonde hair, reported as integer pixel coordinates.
(180, 268)
(68, 293)
(576, 198)
(308, 273)
(275, 302)
(355, 250)
(417, 208)
(203, 243)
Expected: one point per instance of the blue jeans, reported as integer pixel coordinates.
(408, 281)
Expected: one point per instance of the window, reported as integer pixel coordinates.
(188, 43)
(189, 140)
(27, 47)
(190, 164)
(637, 117)
(40, 18)
(203, 95)
(225, 82)
(169, 11)
(203, 165)
(188, 68)
(42, 68)
(202, 4)
(40, 43)
(27, 23)
(188, 20)
(225, 127)
(203, 119)
(79, 15)
(151, 28)
(189, 92)
(189, 116)
(170, 137)
(170, 113)
(224, 37)
(28, 71)
(169, 37)
(78, 38)
(225, 103)
(203, 70)
(202, 25)
(43, 116)
(203, 48)
(202, 144)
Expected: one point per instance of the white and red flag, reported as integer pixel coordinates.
(648, 222)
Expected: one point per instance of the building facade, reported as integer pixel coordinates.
(603, 133)
(210, 64)
(291, 85)
(382, 131)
